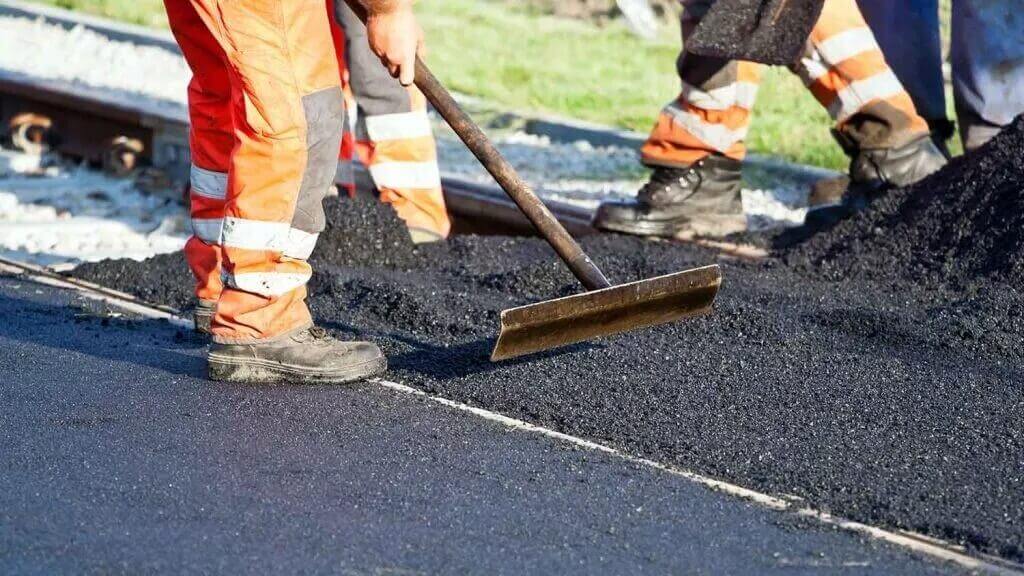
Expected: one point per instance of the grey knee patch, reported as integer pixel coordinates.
(325, 120)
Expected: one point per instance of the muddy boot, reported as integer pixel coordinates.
(704, 199)
(309, 356)
(202, 316)
(872, 173)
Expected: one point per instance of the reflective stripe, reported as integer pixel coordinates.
(398, 126)
(846, 45)
(300, 244)
(266, 283)
(716, 136)
(255, 234)
(403, 175)
(741, 94)
(852, 98)
(209, 184)
(813, 69)
(272, 236)
(208, 229)
(346, 174)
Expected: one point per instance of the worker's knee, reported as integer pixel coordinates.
(325, 120)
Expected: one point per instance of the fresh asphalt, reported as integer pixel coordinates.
(120, 458)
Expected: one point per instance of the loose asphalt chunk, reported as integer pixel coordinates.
(890, 399)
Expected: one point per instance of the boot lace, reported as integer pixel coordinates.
(318, 333)
(670, 185)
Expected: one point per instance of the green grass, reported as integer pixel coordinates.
(527, 61)
(142, 12)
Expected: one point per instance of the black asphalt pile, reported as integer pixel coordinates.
(959, 226)
(896, 407)
(767, 31)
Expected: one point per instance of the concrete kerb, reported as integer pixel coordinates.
(921, 545)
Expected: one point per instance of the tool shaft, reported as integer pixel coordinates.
(504, 174)
(533, 207)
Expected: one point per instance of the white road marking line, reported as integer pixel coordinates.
(920, 544)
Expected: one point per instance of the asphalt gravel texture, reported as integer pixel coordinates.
(892, 400)
(767, 31)
(961, 227)
(120, 458)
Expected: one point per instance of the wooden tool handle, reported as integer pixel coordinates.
(567, 248)
(503, 172)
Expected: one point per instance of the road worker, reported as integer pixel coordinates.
(697, 145)
(986, 53)
(393, 136)
(267, 113)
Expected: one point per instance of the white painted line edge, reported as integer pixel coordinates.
(925, 545)
(920, 544)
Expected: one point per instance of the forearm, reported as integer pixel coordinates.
(374, 7)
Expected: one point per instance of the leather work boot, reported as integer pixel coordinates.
(872, 173)
(703, 199)
(309, 356)
(202, 316)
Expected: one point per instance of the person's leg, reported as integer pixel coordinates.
(711, 115)
(345, 177)
(695, 150)
(908, 33)
(212, 139)
(987, 55)
(394, 136)
(845, 70)
(876, 121)
(288, 113)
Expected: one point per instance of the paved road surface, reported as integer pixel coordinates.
(120, 458)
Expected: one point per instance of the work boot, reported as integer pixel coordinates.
(872, 173)
(202, 316)
(309, 356)
(704, 199)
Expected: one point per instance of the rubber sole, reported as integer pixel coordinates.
(255, 371)
(709, 226)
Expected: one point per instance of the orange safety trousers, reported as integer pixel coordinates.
(843, 67)
(392, 133)
(267, 113)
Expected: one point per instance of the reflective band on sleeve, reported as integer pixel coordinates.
(209, 184)
(405, 175)
(740, 94)
(300, 244)
(208, 230)
(255, 234)
(266, 283)
(716, 136)
(398, 126)
(852, 98)
(846, 45)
